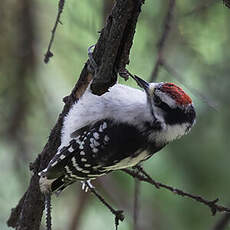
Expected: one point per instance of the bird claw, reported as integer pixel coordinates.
(86, 185)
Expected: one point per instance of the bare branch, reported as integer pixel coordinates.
(111, 189)
(117, 213)
(49, 54)
(15, 213)
(161, 43)
(214, 207)
(140, 169)
(119, 35)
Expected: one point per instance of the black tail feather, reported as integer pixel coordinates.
(60, 184)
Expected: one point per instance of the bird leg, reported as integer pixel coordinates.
(117, 213)
(86, 185)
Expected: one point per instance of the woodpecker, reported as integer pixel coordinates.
(119, 129)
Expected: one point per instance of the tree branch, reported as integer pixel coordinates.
(49, 54)
(27, 214)
(161, 43)
(214, 207)
(117, 213)
(115, 51)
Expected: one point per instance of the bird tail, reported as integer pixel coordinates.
(56, 185)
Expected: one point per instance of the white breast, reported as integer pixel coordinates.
(170, 133)
(121, 104)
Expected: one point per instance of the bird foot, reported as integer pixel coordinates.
(86, 185)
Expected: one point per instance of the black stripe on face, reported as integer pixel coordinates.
(176, 115)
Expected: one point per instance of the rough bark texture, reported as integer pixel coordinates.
(111, 54)
(114, 44)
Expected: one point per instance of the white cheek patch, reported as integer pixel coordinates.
(166, 99)
(172, 132)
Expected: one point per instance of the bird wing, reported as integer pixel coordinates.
(96, 150)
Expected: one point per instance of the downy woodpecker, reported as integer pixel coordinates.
(117, 130)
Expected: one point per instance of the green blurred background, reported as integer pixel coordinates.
(31, 95)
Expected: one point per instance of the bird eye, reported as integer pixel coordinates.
(157, 100)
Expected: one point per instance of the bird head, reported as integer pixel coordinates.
(170, 101)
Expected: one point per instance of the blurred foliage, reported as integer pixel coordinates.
(197, 48)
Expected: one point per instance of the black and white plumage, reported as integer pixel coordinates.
(117, 130)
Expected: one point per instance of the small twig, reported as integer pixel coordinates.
(194, 91)
(49, 54)
(48, 211)
(117, 213)
(136, 207)
(161, 43)
(211, 204)
(140, 169)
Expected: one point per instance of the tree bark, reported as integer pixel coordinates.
(111, 54)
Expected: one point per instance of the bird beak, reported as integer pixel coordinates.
(142, 83)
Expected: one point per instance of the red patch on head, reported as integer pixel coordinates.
(176, 93)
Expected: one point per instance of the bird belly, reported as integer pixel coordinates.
(129, 161)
